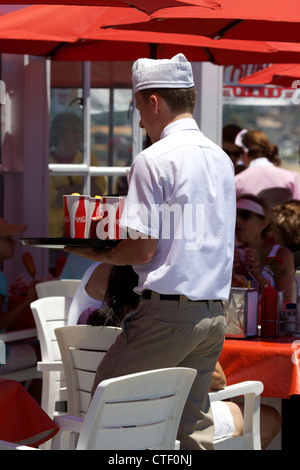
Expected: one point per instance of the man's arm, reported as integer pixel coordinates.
(129, 251)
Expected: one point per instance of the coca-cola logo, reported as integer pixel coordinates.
(80, 219)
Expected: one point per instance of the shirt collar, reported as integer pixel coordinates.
(179, 125)
(260, 161)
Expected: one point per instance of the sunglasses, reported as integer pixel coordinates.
(244, 214)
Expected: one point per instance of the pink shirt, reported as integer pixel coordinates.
(262, 174)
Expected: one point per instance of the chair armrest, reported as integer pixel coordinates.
(18, 335)
(50, 366)
(66, 423)
(251, 390)
(236, 390)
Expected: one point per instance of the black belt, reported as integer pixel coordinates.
(146, 294)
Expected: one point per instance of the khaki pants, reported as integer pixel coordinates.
(167, 333)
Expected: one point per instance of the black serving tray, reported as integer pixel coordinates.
(60, 243)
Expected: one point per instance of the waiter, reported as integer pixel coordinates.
(180, 218)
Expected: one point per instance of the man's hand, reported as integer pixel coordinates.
(129, 251)
(92, 253)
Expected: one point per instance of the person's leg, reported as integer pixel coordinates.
(197, 428)
(270, 424)
(237, 411)
(167, 334)
(270, 421)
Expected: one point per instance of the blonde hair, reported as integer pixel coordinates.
(287, 217)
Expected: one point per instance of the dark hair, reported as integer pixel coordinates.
(104, 316)
(230, 131)
(179, 100)
(119, 297)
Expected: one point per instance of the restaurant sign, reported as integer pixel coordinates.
(237, 94)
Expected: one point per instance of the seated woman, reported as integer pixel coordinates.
(256, 251)
(229, 417)
(90, 292)
(119, 298)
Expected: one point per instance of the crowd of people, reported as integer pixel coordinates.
(166, 295)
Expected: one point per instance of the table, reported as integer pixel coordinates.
(22, 419)
(275, 362)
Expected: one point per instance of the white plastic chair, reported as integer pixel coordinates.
(82, 347)
(251, 391)
(50, 313)
(23, 375)
(134, 412)
(276, 195)
(57, 287)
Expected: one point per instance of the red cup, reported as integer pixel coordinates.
(95, 210)
(109, 227)
(77, 216)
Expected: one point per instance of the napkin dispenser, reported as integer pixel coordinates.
(241, 312)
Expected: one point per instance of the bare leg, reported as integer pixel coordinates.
(270, 421)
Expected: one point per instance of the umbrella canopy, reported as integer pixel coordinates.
(74, 33)
(141, 5)
(267, 20)
(278, 74)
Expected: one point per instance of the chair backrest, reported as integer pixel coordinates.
(57, 287)
(137, 412)
(276, 195)
(50, 313)
(82, 347)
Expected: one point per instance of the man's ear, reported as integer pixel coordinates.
(154, 100)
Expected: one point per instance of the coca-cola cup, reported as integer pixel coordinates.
(109, 227)
(95, 210)
(77, 216)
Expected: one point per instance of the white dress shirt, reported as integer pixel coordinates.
(182, 192)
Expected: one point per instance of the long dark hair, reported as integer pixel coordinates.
(119, 297)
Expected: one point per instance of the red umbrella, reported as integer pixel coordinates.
(267, 20)
(74, 33)
(142, 5)
(278, 74)
(130, 46)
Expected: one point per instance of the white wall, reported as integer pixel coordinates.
(25, 132)
(208, 80)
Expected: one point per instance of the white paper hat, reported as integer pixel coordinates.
(162, 73)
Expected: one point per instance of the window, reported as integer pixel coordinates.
(90, 133)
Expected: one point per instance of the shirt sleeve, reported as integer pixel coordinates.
(144, 198)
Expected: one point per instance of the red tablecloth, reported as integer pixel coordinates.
(22, 420)
(275, 362)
